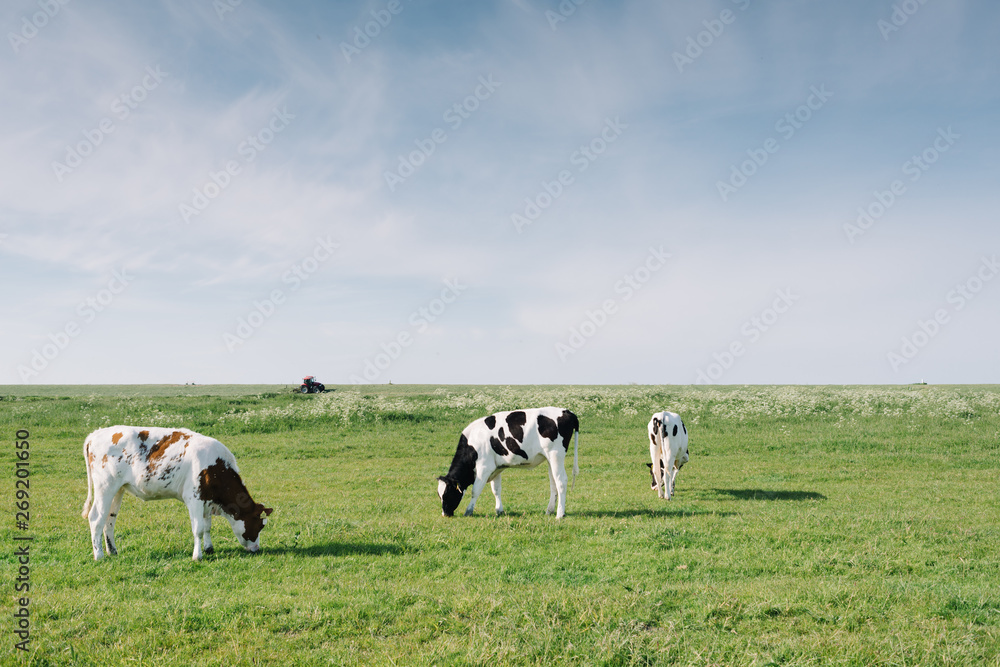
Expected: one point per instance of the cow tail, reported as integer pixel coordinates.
(576, 457)
(90, 485)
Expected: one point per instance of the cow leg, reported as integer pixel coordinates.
(553, 494)
(196, 510)
(495, 487)
(206, 536)
(669, 473)
(557, 475)
(99, 511)
(655, 453)
(477, 488)
(109, 527)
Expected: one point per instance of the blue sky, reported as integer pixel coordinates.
(500, 192)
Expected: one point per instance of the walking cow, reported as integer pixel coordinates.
(668, 446)
(517, 439)
(157, 463)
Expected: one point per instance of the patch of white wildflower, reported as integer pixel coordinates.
(126, 410)
(696, 404)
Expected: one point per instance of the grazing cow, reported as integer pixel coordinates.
(517, 439)
(668, 445)
(157, 463)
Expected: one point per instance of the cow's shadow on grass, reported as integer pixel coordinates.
(676, 513)
(763, 494)
(336, 549)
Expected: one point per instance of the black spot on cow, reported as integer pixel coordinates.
(675, 429)
(684, 427)
(547, 428)
(497, 446)
(515, 422)
(167, 473)
(652, 439)
(461, 474)
(514, 448)
(567, 424)
(491, 422)
(500, 433)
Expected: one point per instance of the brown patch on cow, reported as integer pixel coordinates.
(220, 484)
(144, 435)
(157, 451)
(116, 437)
(90, 455)
(104, 460)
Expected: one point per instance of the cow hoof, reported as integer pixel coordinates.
(499, 512)
(210, 550)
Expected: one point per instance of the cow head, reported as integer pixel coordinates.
(451, 495)
(247, 524)
(221, 487)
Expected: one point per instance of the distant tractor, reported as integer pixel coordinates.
(311, 386)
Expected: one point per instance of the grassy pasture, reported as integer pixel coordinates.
(813, 525)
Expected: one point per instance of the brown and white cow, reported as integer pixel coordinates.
(516, 439)
(668, 446)
(156, 463)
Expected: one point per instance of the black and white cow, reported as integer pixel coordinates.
(516, 439)
(668, 445)
(156, 463)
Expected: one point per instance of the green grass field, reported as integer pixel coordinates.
(813, 525)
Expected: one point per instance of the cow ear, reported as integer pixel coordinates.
(442, 478)
(268, 510)
(649, 465)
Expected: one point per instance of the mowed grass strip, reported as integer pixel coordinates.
(812, 526)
